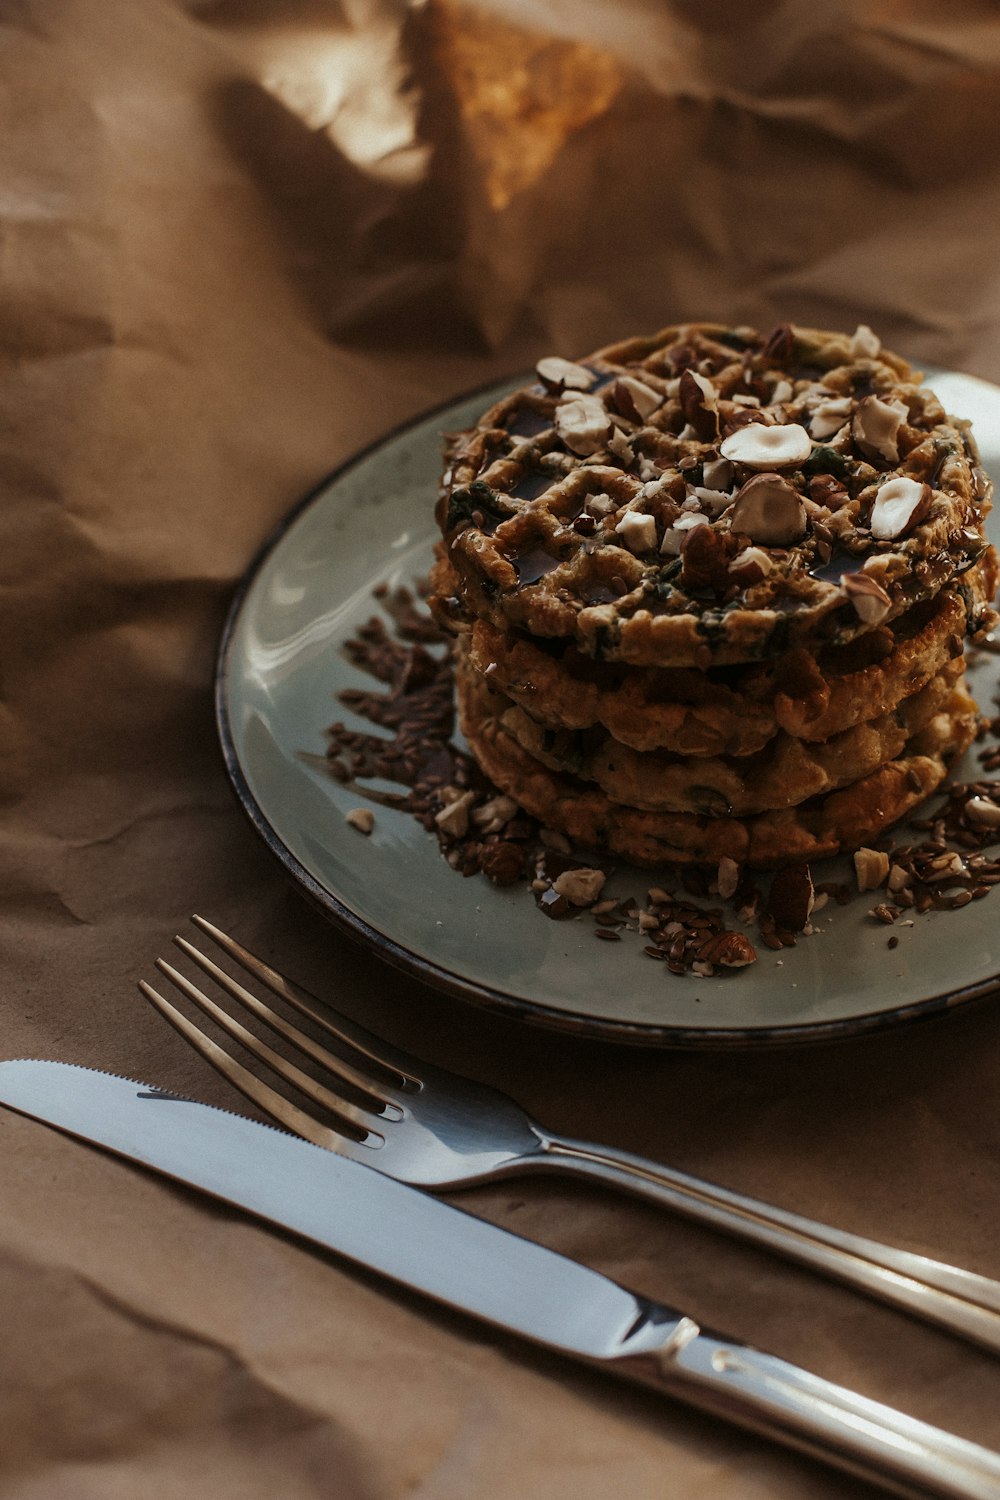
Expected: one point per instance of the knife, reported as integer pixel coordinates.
(491, 1274)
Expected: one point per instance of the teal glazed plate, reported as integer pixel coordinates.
(280, 669)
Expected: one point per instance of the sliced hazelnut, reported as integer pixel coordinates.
(728, 877)
(563, 373)
(870, 600)
(361, 818)
(583, 423)
(580, 887)
(741, 400)
(717, 474)
(633, 399)
(864, 343)
(983, 810)
(790, 899)
(871, 868)
(674, 535)
(749, 567)
(900, 505)
(829, 416)
(783, 391)
(770, 510)
(899, 879)
(599, 505)
(876, 425)
(768, 447)
(453, 819)
(637, 531)
(700, 404)
(619, 445)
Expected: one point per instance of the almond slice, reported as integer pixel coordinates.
(763, 447)
(899, 505)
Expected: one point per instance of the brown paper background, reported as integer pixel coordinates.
(239, 241)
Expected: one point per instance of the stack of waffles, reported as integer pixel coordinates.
(710, 592)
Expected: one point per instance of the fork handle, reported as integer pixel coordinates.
(959, 1300)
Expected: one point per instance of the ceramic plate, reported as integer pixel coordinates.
(280, 669)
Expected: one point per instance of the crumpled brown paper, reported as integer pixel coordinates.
(239, 241)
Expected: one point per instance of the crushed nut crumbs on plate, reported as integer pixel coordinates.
(480, 830)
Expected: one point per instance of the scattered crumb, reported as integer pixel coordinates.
(361, 818)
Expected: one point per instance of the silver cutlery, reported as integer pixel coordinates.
(432, 1128)
(466, 1263)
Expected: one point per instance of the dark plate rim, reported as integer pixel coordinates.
(443, 979)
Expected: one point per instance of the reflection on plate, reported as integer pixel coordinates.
(280, 669)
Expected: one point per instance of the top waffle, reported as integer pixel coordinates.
(710, 496)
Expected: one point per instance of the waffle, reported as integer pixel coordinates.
(841, 820)
(734, 711)
(786, 772)
(711, 590)
(569, 512)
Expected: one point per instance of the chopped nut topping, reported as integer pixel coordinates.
(900, 505)
(717, 474)
(983, 810)
(643, 397)
(700, 404)
(563, 372)
(674, 535)
(769, 510)
(619, 445)
(714, 502)
(728, 878)
(453, 819)
(580, 887)
(361, 818)
(637, 531)
(763, 447)
(583, 423)
(865, 344)
(871, 867)
(783, 391)
(876, 426)
(870, 600)
(829, 416)
(749, 567)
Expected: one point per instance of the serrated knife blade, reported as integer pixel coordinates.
(512, 1283)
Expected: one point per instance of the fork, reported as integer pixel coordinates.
(435, 1129)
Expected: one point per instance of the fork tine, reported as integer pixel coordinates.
(349, 1115)
(336, 1025)
(305, 1044)
(269, 1100)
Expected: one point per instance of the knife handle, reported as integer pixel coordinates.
(961, 1301)
(826, 1421)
